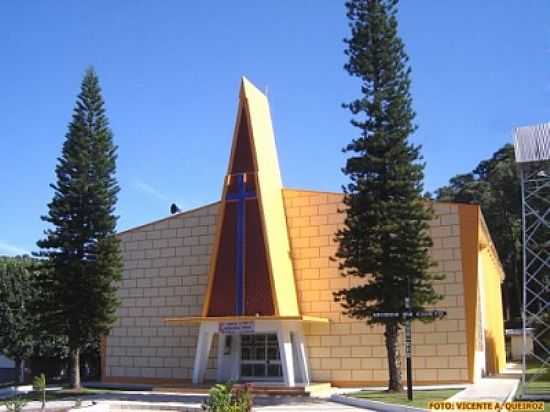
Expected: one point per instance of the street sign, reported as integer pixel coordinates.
(429, 314)
(387, 314)
(408, 341)
(408, 348)
(408, 315)
(426, 314)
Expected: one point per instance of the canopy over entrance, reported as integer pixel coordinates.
(199, 319)
(254, 351)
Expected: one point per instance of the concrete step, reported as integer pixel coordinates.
(262, 389)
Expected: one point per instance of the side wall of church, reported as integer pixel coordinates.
(346, 351)
(165, 274)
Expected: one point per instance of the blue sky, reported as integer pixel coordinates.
(170, 74)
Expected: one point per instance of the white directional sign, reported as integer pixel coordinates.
(410, 315)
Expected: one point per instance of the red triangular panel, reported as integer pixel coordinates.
(222, 302)
(258, 295)
(242, 159)
(241, 281)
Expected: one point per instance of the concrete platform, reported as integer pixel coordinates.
(258, 388)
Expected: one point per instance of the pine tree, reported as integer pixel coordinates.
(495, 185)
(17, 319)
(385, 239)
(83, 258)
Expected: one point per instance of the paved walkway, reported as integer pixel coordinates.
(497, 389)
(52, 405)
(298, 403)
(155, 401)
(163, 401)
(13, 390)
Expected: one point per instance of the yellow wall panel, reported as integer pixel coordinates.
(493, 315)
(271, 200)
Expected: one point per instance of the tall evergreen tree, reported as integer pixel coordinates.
(18, 323)
(494, 184)
(385, 238)
(83, 258)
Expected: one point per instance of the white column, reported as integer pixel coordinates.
(202, 352)
(302, 356)
(221, 362)
(235, 358)
(285, 348)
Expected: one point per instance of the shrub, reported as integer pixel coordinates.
(243, 397)
(15, 404)
(221, 398)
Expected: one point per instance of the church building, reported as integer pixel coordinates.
(242, 289)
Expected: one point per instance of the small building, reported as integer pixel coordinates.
(517, 342)
(242, 289)
(7, 369)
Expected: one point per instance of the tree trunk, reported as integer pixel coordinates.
(19, 371)
(75, 368)
(394, 360)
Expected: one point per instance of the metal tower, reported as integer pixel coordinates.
(532, 152)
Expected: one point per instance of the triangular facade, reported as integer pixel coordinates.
(251, 270)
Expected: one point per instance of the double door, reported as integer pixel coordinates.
(260, 357)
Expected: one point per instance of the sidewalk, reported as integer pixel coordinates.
(493, 389)
(14, 390)
(187, 402)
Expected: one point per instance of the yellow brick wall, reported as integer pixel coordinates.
(165, 274)
(348, 351)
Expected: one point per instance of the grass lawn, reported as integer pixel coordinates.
(420, 398)
(542, 384)
(534, 366)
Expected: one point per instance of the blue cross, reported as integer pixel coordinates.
(240, 196)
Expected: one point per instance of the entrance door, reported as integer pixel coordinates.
(260, 359)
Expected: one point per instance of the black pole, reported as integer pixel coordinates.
(409, 375)
(408, 341)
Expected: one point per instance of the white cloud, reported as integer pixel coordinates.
(150, 190)
(156, 194)
(11, 250)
